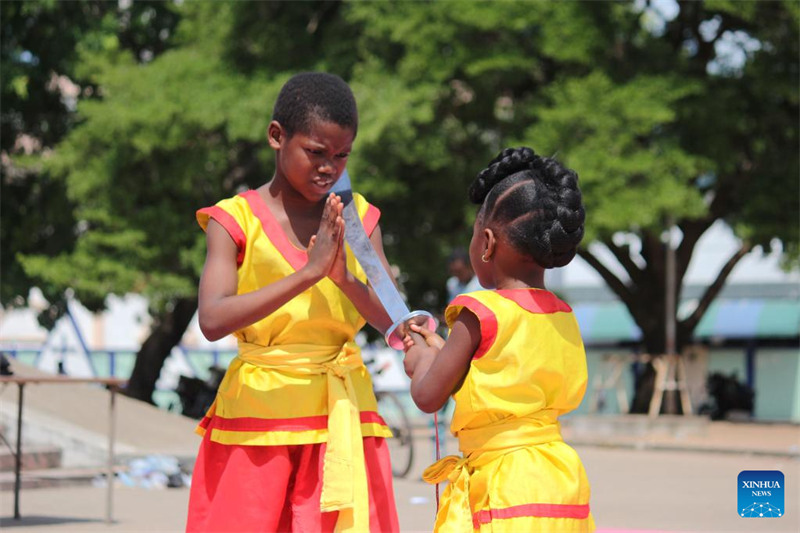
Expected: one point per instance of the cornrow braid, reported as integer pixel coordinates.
(534, 202)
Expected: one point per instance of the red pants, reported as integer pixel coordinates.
(277, 488)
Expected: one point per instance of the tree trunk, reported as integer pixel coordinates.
(645, 300)
(654, 342)
(168, 329)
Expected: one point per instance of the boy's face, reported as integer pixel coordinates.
(312, 162)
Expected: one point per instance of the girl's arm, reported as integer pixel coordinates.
(438, 373)
(363, 296)
(222, 311)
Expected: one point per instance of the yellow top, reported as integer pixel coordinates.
(529, 368)
(298, 377)
(530, 365)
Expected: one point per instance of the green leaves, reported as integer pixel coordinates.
(171, 121)
(621, 140)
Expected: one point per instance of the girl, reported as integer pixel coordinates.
(293, 441)
(514, 360)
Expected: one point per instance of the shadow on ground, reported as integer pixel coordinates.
(28, 521)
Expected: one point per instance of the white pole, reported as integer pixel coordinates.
(669, 300)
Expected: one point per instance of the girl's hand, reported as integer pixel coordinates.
(430, 337)
(324, 246)
(415, 350)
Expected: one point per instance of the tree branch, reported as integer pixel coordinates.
(714, 289)
(706, 50)
(653, 253)
(623, 255)
(692, 231)
(616, 284)
(167, 330)
(719, 208)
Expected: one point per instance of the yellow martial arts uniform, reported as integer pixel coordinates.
(298, 377)
(516, 473)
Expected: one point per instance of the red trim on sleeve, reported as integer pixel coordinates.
(294, 256)
(538, 510)
(231, 226)
(487, 319)
(536, 301)
(371, 217)
(304, 423)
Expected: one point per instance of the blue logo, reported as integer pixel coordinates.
(761, 494)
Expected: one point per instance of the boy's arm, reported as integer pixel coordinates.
(222, 311)
(363, 296)
(436, 374)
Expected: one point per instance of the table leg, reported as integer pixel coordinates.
(110, 470)
(18, 459)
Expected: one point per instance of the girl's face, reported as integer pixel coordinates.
(477, 247)
(312, 162)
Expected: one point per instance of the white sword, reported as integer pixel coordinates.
(379, 279)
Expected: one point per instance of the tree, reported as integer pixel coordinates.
(165, 138)
(714, 139)
(39, 57)
(45, 55)
(680, 118)
(660, 124)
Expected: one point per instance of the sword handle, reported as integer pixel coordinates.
(393, 335)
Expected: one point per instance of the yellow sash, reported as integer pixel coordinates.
(481, 446)
(344, 475)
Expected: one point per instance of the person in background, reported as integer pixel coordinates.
(462, 278)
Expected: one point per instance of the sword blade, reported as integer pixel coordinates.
(362, 248)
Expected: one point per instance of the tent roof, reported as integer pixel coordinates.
(610, 322)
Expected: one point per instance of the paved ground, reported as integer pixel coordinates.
(634, 490)
(667, 474)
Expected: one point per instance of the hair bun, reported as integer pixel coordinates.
(535, 201)
(507, 163)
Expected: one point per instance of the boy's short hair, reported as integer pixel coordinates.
(311, 96)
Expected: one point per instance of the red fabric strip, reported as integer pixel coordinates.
(230, 481)
(294, 256)
(370, 220)
(538, 510)
(305, 423)
(487, 319)
(372, 417)
(536, 300)
(231, 226)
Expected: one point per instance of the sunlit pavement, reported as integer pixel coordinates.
(632, 490)
(643, 490)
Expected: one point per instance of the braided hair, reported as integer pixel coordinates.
(534, 202)
(311, 96)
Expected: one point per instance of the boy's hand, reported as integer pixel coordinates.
(338, 272)
(324, 246)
